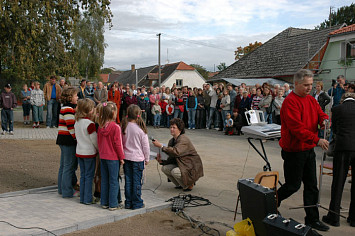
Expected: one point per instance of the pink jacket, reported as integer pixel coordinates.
(109, 141)
(135, 143)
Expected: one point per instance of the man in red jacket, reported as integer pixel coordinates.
(300, 117)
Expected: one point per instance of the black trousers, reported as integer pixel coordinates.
(341, 163)
(301, 167)
(199, 118)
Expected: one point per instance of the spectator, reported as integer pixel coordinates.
(156, 112)
(130, 99)
(256, 99)
(277, 106)
(351, 88)
(245, 105)
(238, 98)
(167, 95)
(114, 95)
(207, 98)
(179, 106)
(322, 97)
(287, 89)
(229, 125)
(52, 93)
(163, 105)
(26, 104)
(100, 95)
(8, 102)
(89, 91)
(232, 95)
(144, 106)
(169, 113)
(225, 105)
(219, 121)
(191, 106)
(237, 122)
(337, 90)
(37, 102)
(200, 112)
(81, 89)
(213, 94)
(252, 93)
(265, 105)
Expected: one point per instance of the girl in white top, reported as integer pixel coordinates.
(86, 147)
(136, 149)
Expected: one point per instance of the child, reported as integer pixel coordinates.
(37, 102)
(67, 142)
(163, 105)
(86, 147)
(109, 140)
(156, 112)
(136, 150)
(144, 106)
(7, 102)
(237, 122)
(169, 113)
(229, 125)
(26, 105)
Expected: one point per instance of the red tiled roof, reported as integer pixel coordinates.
(104, 78)
(184, 66)
(346, 29)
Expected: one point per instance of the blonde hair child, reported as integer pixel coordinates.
(109, 140)
(86, 148)
(136, 149)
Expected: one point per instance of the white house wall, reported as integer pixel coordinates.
(190, 78)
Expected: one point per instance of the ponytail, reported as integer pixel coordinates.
(133, 113)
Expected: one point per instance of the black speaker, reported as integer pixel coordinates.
(279, 226)
(256, 202)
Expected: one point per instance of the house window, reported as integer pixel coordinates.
(179, 82)
(347, 49)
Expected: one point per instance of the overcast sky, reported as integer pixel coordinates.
(205, 32)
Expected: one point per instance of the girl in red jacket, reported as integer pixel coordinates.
(109, 140)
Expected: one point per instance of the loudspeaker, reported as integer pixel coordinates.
(279, 226)
(256, 202)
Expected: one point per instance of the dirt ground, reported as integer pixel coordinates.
(32, 164)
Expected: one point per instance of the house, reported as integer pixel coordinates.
(339, 58)
(282, 56)
(179, 73)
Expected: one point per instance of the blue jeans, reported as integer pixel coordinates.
(268, 117)
(52, 109)
(178, 114)
(168, 120)
(133, 172)
(210, 118)
(66, 170)
(7, 117)
(26, 107)
(157, 119)
(192, 116)
(37, 112)
(87, 172)
(110, 186)
(224, 114)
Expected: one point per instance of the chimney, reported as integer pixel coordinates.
(133, 67)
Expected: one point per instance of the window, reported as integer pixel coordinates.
(179, 82)
(347, 49)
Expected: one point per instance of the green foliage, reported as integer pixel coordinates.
(202, 70)
(241, 52)
(345, 14)
(106, 71)
(221, 66)
(36, 37)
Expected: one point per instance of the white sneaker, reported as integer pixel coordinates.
(48, 127)
(207, 128)
(193, 128)
(11, 132)
(3, 132)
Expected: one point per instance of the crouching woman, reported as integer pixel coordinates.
(183, 166)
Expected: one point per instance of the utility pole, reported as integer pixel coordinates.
(330, 16)
(159, 67)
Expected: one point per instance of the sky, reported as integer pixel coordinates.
(204, 32)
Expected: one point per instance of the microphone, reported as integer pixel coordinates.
(152, 138)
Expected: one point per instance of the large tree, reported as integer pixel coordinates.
(36, 36)
(221, 66)
(202, 70)
(242, 51)
(345, 14)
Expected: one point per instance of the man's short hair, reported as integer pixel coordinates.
(341, 77)
(53, 77)
(301, 74)
(229, 84)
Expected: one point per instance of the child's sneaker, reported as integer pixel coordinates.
(3, 132)
(76, 193)
(11, 132)
(104, 207)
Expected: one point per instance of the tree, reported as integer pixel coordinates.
(90, 44)
(36, 36)
(241, 52)
(200, 69)
(106, 70)
(221, 66)
(345, 14)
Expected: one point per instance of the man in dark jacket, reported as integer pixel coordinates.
(7, 102)
(343, 123)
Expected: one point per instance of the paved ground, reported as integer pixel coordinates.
(226, 159)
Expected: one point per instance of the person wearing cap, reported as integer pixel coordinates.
(144, 106)
(8, 102)
(52, 92)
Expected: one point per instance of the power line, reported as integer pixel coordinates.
(189, 41)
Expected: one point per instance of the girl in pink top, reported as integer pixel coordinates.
(136, 149)
(109, 140)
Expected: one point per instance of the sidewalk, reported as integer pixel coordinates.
(32, 134)
(45, 208)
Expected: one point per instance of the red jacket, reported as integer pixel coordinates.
(300, 117)
(163, 105)
(109, 141)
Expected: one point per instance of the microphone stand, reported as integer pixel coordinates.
(320, 182)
